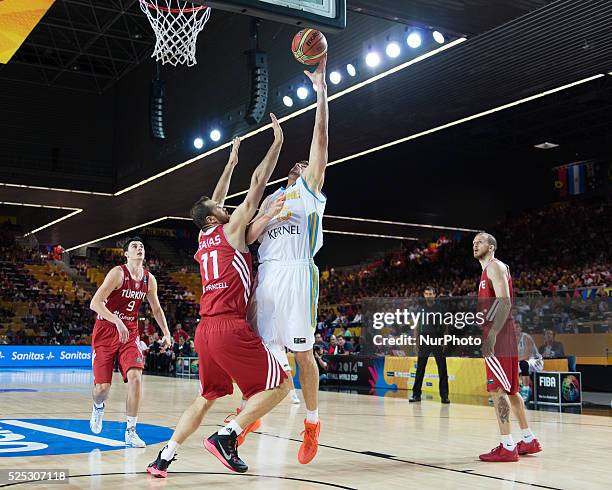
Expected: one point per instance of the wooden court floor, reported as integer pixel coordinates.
(366, 442)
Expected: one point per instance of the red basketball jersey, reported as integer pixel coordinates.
(226, 275)
(125, 301)
(506, 343)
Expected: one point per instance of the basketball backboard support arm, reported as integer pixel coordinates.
(325, 15)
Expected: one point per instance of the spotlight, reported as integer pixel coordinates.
(414, 40)
(438, 37)
(198, 143)
(372, 59)
(288, 101)
(215, 135)
(335, 77)
(393, 50)
(351, 70)
(302, 92)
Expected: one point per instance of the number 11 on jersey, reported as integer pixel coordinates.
(213, 256)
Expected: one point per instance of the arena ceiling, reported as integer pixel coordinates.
(88, 45)
(561, 43)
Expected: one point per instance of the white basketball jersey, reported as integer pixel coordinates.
(296, 232)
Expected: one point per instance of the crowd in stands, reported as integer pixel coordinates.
(550, 251)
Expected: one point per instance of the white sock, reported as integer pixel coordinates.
(99, 406)
(292, 394)
(508, 442)
(131, 422)
(232, 426)
(312, 416)
(170, 450)
(528, 436)
(242, 404)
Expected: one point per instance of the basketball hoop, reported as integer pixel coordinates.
(177, 24)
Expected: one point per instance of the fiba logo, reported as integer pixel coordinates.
(548, 382)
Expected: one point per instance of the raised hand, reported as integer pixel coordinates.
(233, 158)
(276, 127)
(275, 206)
(317, 77)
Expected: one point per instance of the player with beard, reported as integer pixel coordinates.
(228, 348)
(500, 352)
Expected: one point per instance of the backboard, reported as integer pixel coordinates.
(325, 15)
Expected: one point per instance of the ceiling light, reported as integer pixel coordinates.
(393, 50)
(438, 37)
(302, 92)
(414, 40)
(372, 59)
(546, 146)
(335, 77)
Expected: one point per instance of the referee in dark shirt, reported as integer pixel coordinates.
(424, 350)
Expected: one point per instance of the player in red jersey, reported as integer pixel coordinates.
(499, 348)
(228, 348)
(115, 334)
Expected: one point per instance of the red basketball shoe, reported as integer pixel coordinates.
(528, 447)
(310, 445)
(500, 454)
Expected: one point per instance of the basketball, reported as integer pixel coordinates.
(309, 46)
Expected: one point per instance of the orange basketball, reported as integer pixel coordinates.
(308, 46)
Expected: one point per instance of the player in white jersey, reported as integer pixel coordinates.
(530, 359)
(288, 279)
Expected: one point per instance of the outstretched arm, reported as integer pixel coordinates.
(235, 229)
(224, 181)
(314, 174)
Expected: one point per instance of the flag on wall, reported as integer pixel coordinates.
(574, 179)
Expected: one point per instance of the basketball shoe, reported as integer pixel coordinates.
(132, 439)
(500, 454)
(310, 445)
(159, 467)
(249, 428)
(225, 449)
(528, 447)
(95, 422)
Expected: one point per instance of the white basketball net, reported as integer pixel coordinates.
(176, 24)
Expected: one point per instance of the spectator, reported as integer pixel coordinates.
(320, 342)
(551, 348)
(344, 348)
(179, 333)
(321, 363)
(333, 345)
